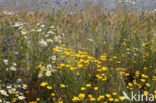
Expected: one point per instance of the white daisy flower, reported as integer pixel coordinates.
(5, 61)
(53, 57)
(48, 73)
(21, 97)
(43, 43)
(40, 75)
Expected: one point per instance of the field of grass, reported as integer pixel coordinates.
(82, 57)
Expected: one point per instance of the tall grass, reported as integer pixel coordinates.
(91, 55)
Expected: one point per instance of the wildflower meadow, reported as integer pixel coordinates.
(89, 55)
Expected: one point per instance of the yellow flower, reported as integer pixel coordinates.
(127, 74)
(88, 85)
(49, 87)
(110, 59)
(104, 68)
(111, 99)
(146, 92)
(52, 94)
(145, 68)
(39, 66)
(118, 62)
(62, 86)
(121, 98)
(33, 102)
(144, 76)
(90, 96)
(81, 96)
(108, 95)
(116, 100)
(124, 44)
(13, 100)
(62, 65)
(75, 99)
(100, 97)
(130, 84)
(92, 99)
(17, 95)
(148, 85)
(43, 84)
(114, 93)
(60, 102)
(114, 57)
(37, 99)
(80, 65)
(142, 80)
(103, 58)
(83, 88)
(96, 88)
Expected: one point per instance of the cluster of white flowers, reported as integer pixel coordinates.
(49, 35)
(43, 43)
(47, 71)
(127, 2)
(5, 61)
(17, 24)
(13, 90)
(8, 13)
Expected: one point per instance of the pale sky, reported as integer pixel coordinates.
(148, 4)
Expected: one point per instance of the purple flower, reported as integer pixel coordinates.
(152, 35)
(75, 4)
(118, 43)
(132, 54)
(85, 29)
(29, 59)
(7, 48)
(130, 30)
(78, 76)
(105, 36)
(72, 25)
(43, 49)
(17, 54)
(13, 42)
(51, 52)
(66, 2)
(142, 36)
(69, 15)
(140, 17)
(59, 76)
(36, 63)
(137, 43)
(46, 2)
(45, 17)
(102, 26)
(57, 2)
(106, 9)
(81, 10)
(22, 71)
(94, 35)
(97, 49)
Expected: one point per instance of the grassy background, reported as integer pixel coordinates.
(113, 51)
